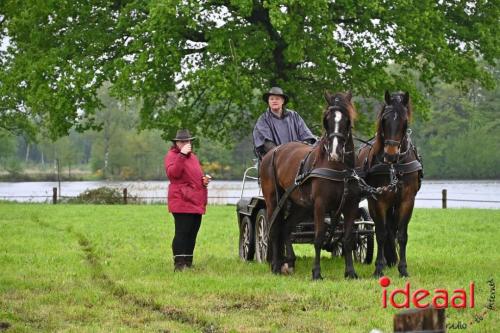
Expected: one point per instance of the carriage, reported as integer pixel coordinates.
(387, 172)
(253, 226)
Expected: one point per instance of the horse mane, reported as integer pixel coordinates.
(344, 102)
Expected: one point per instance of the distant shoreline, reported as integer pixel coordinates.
(79, 177)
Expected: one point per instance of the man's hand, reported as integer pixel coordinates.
(268, 145)
(311, 141)
(186, 149)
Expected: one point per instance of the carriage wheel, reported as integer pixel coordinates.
(363, 251)
(247, 241)
(261, 236)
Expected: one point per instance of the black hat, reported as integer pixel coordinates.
(183, 135)
(275, 91)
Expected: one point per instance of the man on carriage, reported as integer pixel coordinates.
(278, 125)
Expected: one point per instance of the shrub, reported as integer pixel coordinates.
(101, 195)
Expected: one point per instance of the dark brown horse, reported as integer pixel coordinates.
(392, 152)
(325, 186)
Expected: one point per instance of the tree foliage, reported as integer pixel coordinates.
(8, 160)
(205, 64)
(461, 139)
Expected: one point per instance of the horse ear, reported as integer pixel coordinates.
(349, 95)
(406, 98)
(328, 97)
(387, 97)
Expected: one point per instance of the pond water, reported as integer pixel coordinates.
(461, 193)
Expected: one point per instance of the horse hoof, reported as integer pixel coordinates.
(351, 276)
(402, 271)
(285, 270)
(316, 275)
(378, 275)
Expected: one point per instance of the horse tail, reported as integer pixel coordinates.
(390, 253)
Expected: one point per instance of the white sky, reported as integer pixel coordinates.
(4, 44)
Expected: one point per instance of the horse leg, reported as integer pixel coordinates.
(276, 238)
(296, 214)
(378, 213)
(348, 241)
(289, 265)
(391, 257)
(274, 235)
(405, 212)
(319, 237)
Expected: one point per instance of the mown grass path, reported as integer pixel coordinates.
(73, 268)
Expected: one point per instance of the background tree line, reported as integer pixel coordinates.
(461, 137)
(127, 72)
(457, 139)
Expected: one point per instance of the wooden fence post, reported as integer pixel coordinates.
(420, 320)
(444, 198)
(125, 196)
(54, 195)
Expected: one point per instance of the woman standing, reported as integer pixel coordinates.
(187, 197)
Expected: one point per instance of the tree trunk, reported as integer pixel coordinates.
(107, 139)
(27, 152)
(106, 158)
(420, 320)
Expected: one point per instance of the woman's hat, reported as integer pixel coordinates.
(183, 135)
(275, 91)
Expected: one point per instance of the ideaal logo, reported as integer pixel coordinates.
(423, 298)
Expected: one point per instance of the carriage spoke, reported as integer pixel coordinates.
(261, 240)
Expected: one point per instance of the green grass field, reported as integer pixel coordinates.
(76, 268)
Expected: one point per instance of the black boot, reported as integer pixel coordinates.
(189, 261)
(179, 263)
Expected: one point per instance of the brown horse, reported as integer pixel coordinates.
(392, 159)
(323, 186)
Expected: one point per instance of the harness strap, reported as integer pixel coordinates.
(274, 175)
(279, 206)
(342, 201)
(334, 134)
(330, 174)
(369, 142)
(401, 168)
(301, 173)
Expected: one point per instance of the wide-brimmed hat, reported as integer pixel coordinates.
(183, 135)
(275, 91)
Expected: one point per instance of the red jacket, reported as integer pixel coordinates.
(186, 193)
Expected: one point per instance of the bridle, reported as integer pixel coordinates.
(335, 134)
(388, 110)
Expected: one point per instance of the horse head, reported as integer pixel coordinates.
(338, 120)
(393, 124)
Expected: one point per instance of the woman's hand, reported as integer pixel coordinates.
(206, 179)
(186, 149)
